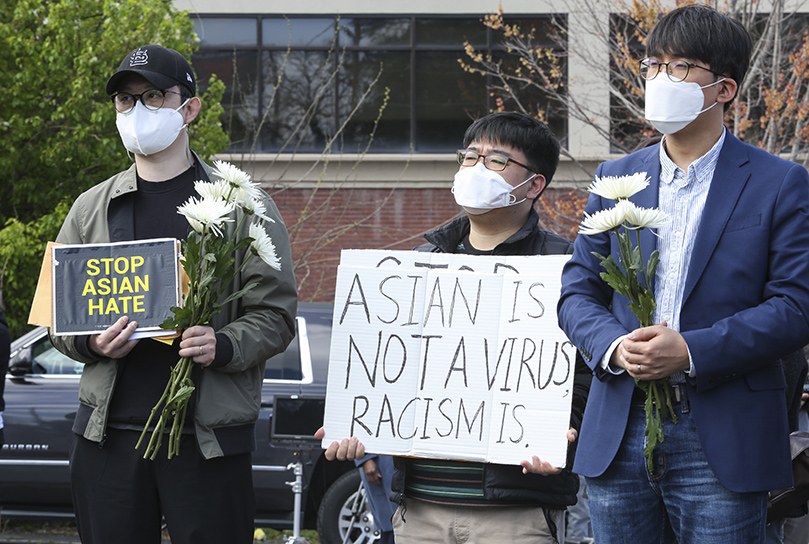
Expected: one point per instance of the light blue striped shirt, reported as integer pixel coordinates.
(682, 196)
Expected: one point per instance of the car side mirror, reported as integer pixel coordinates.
(20, 369)
(20, 363)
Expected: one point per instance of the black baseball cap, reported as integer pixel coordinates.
(161, 66)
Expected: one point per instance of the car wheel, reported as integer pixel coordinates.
(344, 515)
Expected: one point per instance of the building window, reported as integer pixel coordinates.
(293, 83)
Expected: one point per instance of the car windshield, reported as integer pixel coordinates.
(48, 360)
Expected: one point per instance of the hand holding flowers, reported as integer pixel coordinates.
(210, 261)
(629, 277)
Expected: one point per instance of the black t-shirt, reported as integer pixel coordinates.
(464, 246)
(156, 207)
(144, 372)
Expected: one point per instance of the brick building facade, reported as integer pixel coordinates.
(323, 222)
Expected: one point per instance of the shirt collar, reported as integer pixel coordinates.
(702, 168)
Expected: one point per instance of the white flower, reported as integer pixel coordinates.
(606, 219)
(619, 188)
(262, 246)
(645, 218)
(216, 189)
(230, 173)
(206, 214)
(253, 206)
(236, 177)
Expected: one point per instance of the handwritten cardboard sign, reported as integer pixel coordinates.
(450, 356)
(95, 284)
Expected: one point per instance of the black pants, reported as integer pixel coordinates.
(120, 498)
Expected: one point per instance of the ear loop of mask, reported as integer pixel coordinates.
(511, 194)
(711, 85)
(188, 155)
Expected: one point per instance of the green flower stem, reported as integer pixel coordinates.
(643, 272)
(179, 432)
(176, 408)
(634, 283)
(239, 226)
(171, 407)
(183, 379)
(656, 409)
(157, 436)
(249, 253)
(247, 257)
(163, 398)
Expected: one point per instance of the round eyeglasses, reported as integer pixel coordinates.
(496, 163)
(676, 70)
(152, 99)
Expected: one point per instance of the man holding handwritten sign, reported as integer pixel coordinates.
(507, 162)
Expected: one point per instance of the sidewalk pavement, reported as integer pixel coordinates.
(29, 538)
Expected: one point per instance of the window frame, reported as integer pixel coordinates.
(410, 143)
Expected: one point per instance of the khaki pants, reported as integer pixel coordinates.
(427, 523)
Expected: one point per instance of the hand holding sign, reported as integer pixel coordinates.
(114, 342)
(537, 466)
(348, 449)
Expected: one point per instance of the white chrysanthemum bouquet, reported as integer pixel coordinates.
(633, 280)
(209, 261)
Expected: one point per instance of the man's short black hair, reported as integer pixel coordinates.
(522, 132)
(702, 33)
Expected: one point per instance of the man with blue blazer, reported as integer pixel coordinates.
(732, 297)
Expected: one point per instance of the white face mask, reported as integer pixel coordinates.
(146, 131)
(479, 190)
(671, 106)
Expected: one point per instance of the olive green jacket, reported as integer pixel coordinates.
(259, 325)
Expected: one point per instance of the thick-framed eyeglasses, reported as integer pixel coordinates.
(152, 99)
(495, 163)
(676, 69)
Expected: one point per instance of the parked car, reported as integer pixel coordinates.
(42, 397)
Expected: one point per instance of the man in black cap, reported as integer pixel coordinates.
(206, 493)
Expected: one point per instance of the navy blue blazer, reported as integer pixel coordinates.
(746, 303)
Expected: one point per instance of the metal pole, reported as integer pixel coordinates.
(297, 488)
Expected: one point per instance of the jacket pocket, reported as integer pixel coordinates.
(82, 419)
(769, 377)
(740, 223)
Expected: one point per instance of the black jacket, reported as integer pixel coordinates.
(507, 483)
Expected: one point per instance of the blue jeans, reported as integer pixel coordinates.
(681, 499)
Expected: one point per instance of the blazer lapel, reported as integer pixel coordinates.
(729, 179)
